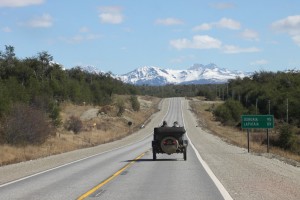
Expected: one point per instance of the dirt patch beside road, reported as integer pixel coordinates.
(100, 125)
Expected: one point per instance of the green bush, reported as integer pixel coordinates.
(229, 113)
(135, 104)
(287, 138)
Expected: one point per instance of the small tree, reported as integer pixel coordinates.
(26, 125)
(287, 138)
(55, 114)
(135, 104)
(74, 124)
(121, 107)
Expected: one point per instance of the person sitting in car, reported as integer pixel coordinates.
(165, 124)
(175, 124)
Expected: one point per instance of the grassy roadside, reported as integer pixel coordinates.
(97, 128)
(234, 135)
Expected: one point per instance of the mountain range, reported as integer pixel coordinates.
(197, 74)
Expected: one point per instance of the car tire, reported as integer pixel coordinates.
(185, 153)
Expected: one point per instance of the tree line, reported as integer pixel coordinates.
(35, 86)
(275, 93)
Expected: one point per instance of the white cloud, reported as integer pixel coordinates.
(44, 21)
(223, 6)
(203, 27)
(231, 49)
(80, 38)
(169, 21)
(19, 3)
(259, 62)
(250, 35)
(84, 29)
(208, 42)
(197, 42)
(229, 23)
(289, 25)
(6, 29)
(222, 23)
(84, 35)
(296, 39)
(111, 15)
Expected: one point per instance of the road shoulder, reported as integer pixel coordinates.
(244, 175)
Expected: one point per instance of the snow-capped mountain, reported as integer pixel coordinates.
(197, 74)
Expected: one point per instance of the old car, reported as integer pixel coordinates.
(169, 140)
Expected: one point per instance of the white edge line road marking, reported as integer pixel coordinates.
(60, 166)
(216, 181)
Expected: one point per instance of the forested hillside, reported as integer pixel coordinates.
(31, 90)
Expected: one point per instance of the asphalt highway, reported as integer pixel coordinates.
(125, 173)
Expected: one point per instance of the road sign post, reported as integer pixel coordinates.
(257, 122)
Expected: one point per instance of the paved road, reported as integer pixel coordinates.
(103, 175)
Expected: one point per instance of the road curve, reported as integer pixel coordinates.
(117, 174)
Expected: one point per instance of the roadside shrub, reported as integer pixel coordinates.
(74, 124)
(229, 113)
(287, 138)
(55, 115)
(26, 125)
(107, 109)
(50, 106)
(121, 107)
(135, 104)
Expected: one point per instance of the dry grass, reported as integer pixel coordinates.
(236, 136)
(96, 130)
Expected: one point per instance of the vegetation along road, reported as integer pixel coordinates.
(124, 169)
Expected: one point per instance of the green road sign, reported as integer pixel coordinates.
(257, 121)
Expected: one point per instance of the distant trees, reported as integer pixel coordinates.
(277, 93)
(266, 93)
(209, 91)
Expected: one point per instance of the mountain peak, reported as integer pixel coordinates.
(197, 74)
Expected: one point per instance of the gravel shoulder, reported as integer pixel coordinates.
(244, 175)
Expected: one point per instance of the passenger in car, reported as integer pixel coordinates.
(175, 124)
(165, 124)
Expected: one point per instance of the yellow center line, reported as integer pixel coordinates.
(88, 193)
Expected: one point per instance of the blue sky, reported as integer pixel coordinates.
(122, 35)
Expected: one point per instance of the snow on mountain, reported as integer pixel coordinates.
(91, 69)
(197, 74)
